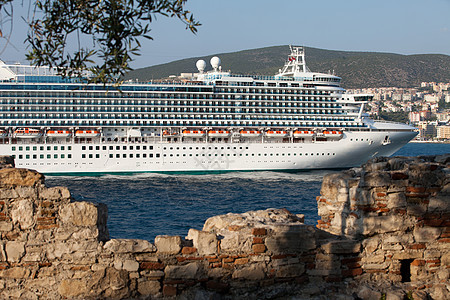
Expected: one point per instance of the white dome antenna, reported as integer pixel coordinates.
(201, 65)
(215, 62)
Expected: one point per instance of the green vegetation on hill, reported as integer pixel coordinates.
(400, 116)
(357, 69)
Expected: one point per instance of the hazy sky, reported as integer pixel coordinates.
(397, 26)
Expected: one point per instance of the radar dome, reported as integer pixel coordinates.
(201, 65)
(215, 62)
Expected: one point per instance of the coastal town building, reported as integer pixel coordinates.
(427, 107)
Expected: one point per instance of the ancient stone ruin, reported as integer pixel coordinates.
(384, 233)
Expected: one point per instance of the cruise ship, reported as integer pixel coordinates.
(205, 121)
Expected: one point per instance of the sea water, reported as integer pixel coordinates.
(149, 204)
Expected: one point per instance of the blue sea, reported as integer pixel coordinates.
(146, 205)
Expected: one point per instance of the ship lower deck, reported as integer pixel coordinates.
(97, 155)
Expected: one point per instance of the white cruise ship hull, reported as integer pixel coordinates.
(354, 149)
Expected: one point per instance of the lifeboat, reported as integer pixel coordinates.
(332, 134)
(303, 134)
(219, 133)
(27, 133)
(59, 133)
(250, 133)
(89, 133)
(3, 133)
(167, 133)
(193, 133)
(276, 133)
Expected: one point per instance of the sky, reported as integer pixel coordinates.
(394, 26)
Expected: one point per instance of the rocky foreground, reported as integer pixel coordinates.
(384, 233)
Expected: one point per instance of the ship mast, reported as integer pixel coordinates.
(295, 64)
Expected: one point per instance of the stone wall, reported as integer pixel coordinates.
(384, 232)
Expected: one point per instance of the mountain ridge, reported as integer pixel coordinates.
(357, 69)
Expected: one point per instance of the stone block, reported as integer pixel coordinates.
(439, 203)
(252, 272)
(384, 224)
(15, 273)
(193, 270)
(332, 183)
(6, 226)
(8, 193)
(79, 214)
(370, 244)
(26, 192)
(426, 234)
(342, 247)
(20, 177)
(396, 200)
(205, 242)
(236, 241)
(294, 270)
(376, 179)
(56, 193)
(129, 246)
(22, 213)
(291, 239)
(168, 244)
(130, 265)
(14, 251)
(149, 287)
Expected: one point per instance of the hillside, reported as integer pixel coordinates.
(357, 69)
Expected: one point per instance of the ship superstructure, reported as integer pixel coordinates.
(211, 121)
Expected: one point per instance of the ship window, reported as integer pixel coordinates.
(69, 155)
(150, 147)
(62, 155)
(62, 147)
(55, 148)
(20, 156)
(111, 155)
(104, 147)
(27, 148)
(124, 155)
(69, 148)
(111, 147)
(138, 155)
(158, 155)
(117, 147)
(124, 147)
(97, 155)
(82, 148)
(34, 148)
(34, 156)
(27, 156)
(144, 155)
(20, 148)
(13, 148)
(144, 147)
(117, 155)
(97, 147)
(83, 155)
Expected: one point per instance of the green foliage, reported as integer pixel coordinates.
(401, 116)
(357, 69)
(115, 29)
